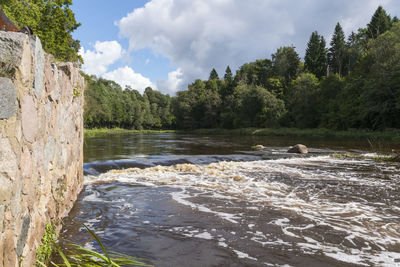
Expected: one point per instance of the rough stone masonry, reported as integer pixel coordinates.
(41, 139)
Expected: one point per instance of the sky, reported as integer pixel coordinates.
(167, 44)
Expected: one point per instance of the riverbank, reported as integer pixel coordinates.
(392, 135)
(106, 131)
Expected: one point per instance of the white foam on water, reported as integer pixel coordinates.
(190, 231)
(89, 245)
(264, 239)
(93, 196)
(180, 197)
(204, 235)
(90, 223)
(222, 244)
(371, 155)
(262, 185)
(141, 156)
(242, 255)
(277, 242)
(281, 222)
(343, 257)
(277, 265)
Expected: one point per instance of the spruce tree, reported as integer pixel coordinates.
(213, 74)
(227, 87)
(337, 51)
(316, 55)
(228, 75)
(380, 23)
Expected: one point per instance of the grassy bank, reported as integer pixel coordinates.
(106, 131)
(392, 135)
(49, 253)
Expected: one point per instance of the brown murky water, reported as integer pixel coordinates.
(181, 200)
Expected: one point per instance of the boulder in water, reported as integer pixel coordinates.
(257, 147)
(299, 148)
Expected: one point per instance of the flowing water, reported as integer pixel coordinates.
(182, 200)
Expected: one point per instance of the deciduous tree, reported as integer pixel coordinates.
(286, 63)
(51, 20)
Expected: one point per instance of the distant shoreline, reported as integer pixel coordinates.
(391, 135)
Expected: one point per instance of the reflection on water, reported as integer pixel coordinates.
(180, 200)
(127, 146)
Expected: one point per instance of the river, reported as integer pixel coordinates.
(191, 200)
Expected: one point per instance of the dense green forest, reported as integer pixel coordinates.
(355, 83)
(107, 105)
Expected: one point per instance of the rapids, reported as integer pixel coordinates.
(240, 207)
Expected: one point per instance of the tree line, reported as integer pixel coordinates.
(107, 105)
(353, 83)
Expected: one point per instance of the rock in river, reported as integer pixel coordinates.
(257, 147)
(302, 149)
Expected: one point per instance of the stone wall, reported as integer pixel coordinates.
(41, 139)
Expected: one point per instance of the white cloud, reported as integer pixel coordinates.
(199, 35)
(173, 83)
(98, 60)
(126, 76)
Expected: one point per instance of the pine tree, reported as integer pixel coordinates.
(213, 74)
(316, 55)
(380, 22)
(337, 50)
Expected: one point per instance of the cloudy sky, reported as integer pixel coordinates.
(166, 44)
